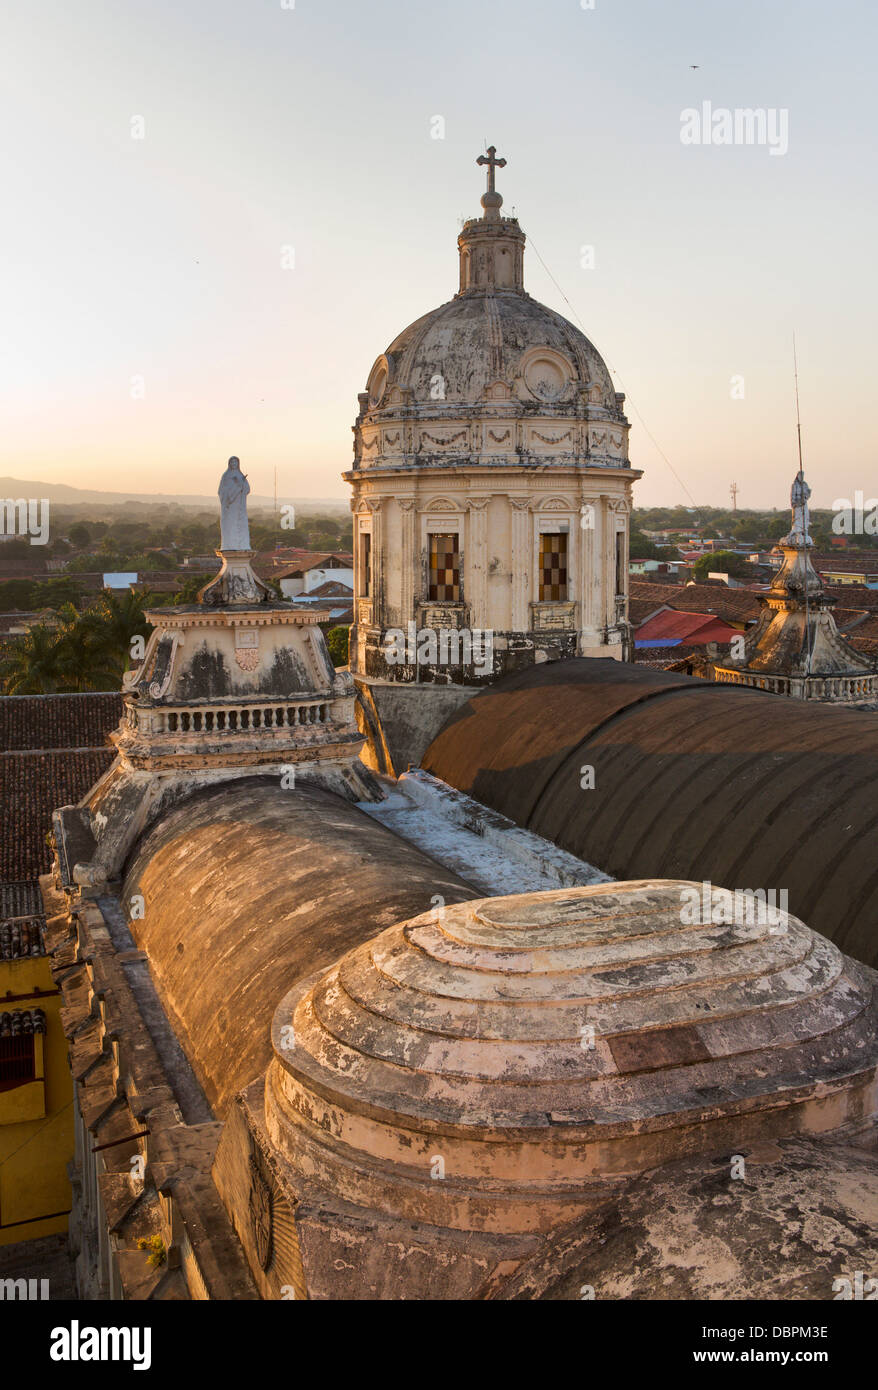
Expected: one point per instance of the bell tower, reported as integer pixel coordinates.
(491, 487)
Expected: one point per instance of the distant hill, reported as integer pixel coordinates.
(65, 495)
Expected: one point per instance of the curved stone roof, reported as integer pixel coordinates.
(472, 340)
(691, 779)
(796, 1222)
(249, 887)
(543, 1044)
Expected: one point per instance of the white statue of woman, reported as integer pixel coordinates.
(233, 490)
(798, 534)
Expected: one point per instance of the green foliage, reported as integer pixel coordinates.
(721, 561)
(31, 595)
(641, 548)
(17, 595)
(80, 651)
(79, 534)
(337, 642)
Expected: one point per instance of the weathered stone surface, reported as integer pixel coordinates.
(250, 888)
(800, 1221)
(547, 1044)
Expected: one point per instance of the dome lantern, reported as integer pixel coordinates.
(491, 247)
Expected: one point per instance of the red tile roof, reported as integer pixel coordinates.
(331, 588)
(639, 609)
(733, 605)
(842, 562)
(853, 595)
(29, 722)
(694, 628)
(314, 559)
(53, 748)
(32, 786)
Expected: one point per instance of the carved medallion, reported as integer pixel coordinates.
(260, 1213)
(247, 648)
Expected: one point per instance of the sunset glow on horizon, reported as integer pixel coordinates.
(218, 216)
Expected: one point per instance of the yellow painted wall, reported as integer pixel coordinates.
(36, 1120)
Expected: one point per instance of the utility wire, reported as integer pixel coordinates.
(643, 423)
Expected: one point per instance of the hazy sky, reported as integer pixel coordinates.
(267, 127)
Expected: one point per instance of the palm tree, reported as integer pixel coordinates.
(112, 624)
(32, 663)
(84, 661)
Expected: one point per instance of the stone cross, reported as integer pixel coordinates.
(492, 164)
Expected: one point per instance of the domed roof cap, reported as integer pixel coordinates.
(540, 1041)
(491, 331)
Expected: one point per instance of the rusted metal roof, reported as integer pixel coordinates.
(692, 780)
(675, 625)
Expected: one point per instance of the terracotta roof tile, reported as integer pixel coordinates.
(58, 721)
(22, 899)
(21, 938)
(733, 605)
(32, 786)
(841, 561)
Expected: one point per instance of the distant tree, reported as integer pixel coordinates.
(640, 547)
(55, 592)
(80, 536)
(710, 533)
(88, 564)
(17, 595)
(337, 639)
(722, 561)
(20, 554)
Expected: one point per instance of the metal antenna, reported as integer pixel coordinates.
(798, 415)
(801, 475)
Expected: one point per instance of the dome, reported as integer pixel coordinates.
(490, 355)
(544, 1047)
(475, 341)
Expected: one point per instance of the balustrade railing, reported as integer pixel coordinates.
(227, 719)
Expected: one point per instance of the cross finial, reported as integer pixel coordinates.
(493, 163)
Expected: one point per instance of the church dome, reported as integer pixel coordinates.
(472, 378)
(473, 342)
(531, 1050)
